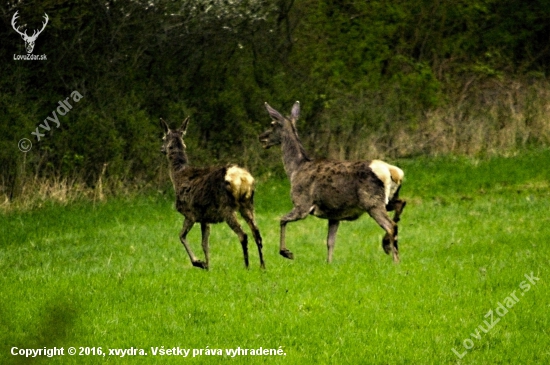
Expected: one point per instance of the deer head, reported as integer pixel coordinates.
(29, 41)
(173, 138)
(272, 136)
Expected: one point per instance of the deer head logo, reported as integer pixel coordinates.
(29, 41)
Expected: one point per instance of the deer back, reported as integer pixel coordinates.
(338, 189)
(204, 193)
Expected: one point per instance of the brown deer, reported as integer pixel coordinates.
(209, 195)
(334, 190)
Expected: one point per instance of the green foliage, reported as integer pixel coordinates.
(365, 71)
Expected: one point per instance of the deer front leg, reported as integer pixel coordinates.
(295, 214)
(187, 225)
(205, 231)
(331, 238)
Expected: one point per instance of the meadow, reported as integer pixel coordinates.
(474, 235)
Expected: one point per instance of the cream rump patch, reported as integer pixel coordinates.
(390, 175)
(241, 182)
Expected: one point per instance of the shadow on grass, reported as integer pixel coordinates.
(56, 321)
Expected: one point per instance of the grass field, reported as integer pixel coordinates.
(114, 275)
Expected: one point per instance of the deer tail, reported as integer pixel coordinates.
(241, 182)
(391, 176)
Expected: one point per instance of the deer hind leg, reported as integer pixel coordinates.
(386, 242)
(233, 223)
(247, 213)
(205, 231)
(380, 215)
(397, 205)
(331, 237)
(295, 214)
(187, 225)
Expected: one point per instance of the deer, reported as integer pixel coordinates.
(209, 195)
(29, 41)
(334, 190)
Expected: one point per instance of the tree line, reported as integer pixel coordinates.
(375, 79)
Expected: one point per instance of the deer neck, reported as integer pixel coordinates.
(178, 162)
(294, 154)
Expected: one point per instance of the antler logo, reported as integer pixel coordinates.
(29, 41)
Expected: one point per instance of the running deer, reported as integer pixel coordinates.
(334, 190)
(209, 195)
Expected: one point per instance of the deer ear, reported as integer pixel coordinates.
(295, 113)
(164, 125)
(275, 115)
(183, 127)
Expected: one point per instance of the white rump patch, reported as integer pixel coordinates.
(241, 182)
(390, 175)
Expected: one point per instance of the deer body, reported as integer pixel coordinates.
(334, 190)
(210, 195)
(203, 195)
(334, 193)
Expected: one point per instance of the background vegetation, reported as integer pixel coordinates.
(375, 78)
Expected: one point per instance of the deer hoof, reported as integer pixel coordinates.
(200, 264)
(386, 245)
(287, 254)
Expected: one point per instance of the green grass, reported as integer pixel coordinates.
(114, 275)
